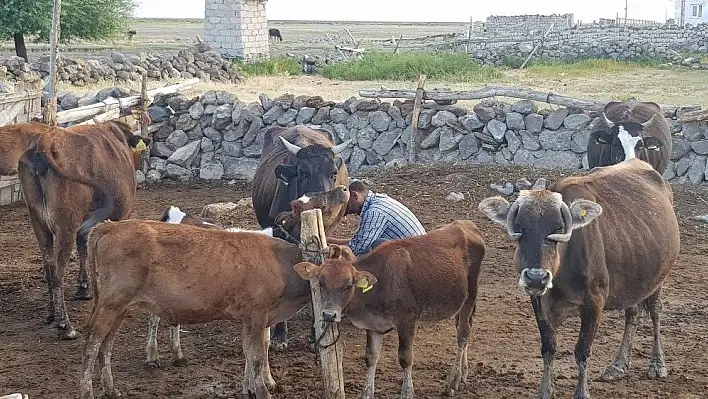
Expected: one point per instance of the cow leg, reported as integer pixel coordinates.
(62, 252)
(104, 359)
(176, 347)
(269, 381)
(657, 366)
(406, 333)
(589, 321)
(620, 366)
(373, 350)
(458, 373)
(99, 326)
(278, 341)
(83, 292)
(255, 342)
(548, 350)
(153, 356)
(45, 239)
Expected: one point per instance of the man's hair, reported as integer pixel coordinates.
(359, 186)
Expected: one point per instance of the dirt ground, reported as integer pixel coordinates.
(504, 354)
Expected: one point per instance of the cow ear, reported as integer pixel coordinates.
(495, 208)
(338, 161)
(147, 140)
(601, 137)
(365, 280)
(584, 212)
(652, 143)
(307, 270)
(285, 172)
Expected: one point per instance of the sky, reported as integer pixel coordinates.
(401, 10)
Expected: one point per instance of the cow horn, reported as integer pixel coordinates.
(567, 225)
(649, 122)
(607, 121)
(510, 219)
(341, 147)
(290, 146)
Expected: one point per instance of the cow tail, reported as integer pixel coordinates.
(92, 265)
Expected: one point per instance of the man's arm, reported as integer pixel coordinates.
(371, 228)
(338, 241)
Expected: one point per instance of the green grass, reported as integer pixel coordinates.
(585, 67)
(441, 67)
(271, 67)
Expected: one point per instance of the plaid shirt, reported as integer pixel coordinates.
(383, 217)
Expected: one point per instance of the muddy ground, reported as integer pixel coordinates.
(504, 355)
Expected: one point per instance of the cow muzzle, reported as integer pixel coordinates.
(536, 281)
(331, 316)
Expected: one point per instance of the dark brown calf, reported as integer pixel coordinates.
(424, 278)
(190, 275)
(72, 179)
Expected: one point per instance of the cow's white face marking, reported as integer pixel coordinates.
(175, 215)
(304, 199)
(628, 143)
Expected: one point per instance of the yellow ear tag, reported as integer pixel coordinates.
(141, 146)
(364, 285)
(583, 213)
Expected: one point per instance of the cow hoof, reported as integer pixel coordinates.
(113, 394)
(278, 346)
(83, 294)
(657, 370)
(179, 362)
(49, 319)
(613, 372)
(68, 333)
(152, 364)
(449, 392)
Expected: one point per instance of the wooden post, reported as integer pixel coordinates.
(469, 37)
(413, 144)
(50, 111)
(144, 120)
(537, 46)
(398, 43)
(313, 237)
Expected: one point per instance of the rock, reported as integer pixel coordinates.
(468, 146)
(504, 189)
(523, 184)
(379, 120)
(529, 141)
(558, 159)
(484, 157)
(305, 115)
(497, 129)
(524, 157)
(396, 163)
(694, 131)
(426, 117)
(524, 107)
(700, 147)
(236, 132)
(449, 139)
(152, 176)
(515, 121)
(356, 160)
(484, 113)
(338, 115)
(177, 172)
(385, 141)
(69, 101)
(212, 170)
(533, 123)
(442, 118)
(158, 114)
(500, 157)
(87, 99)
(232, 149)
(682, 166)
(540, 184)
(207, 145)
(576, 121)
(158, 164)
(696, 170)
(670, 171)
(395, 114)
(555, 140)
(140, 176)
(195, 133)
(196, 110)
(239, 168)
(213, 135)
(455, 197)
(471, 122)
(272, 115)
(222, 116)
(372, 158)
(253, 130)
(176, 139)
(513, 141)
(185, 122)
(679, 148)
(322, 116)
(432, 140)
(184, 156)
(287, 117)
(579, 141)
(556, 119)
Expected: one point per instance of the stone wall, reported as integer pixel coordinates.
(219, 137)
(520, 25)
(237, 28)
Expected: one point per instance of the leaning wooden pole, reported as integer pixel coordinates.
(144, 119)
(415, 136)
(313, 237)
(50, 110)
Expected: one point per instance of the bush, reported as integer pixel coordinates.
(585, 66)
(271, 66)
(408, 67)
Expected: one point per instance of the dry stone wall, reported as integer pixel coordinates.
(217, 136)
(520, 25)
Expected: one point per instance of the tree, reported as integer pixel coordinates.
(85, 19)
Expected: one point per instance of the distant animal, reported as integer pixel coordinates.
(190, 275)
(606, 240)
(297, 160)
(631, 126)
(400, 283)
(131, 33)
(274, 34)
(14, 139)
(72, 179)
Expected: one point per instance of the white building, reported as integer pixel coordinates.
(691, 12)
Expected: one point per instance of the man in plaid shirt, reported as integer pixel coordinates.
(382, 218)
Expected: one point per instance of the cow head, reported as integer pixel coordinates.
(323, 199)
(617, 142)
(174, 215)
(338, 279)
(539, 222)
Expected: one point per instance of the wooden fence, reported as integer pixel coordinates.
(20, 106)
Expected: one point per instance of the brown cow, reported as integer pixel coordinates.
(187, 274)
(606, 240)
(72, 179)
(14, 139)
(424, 278)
